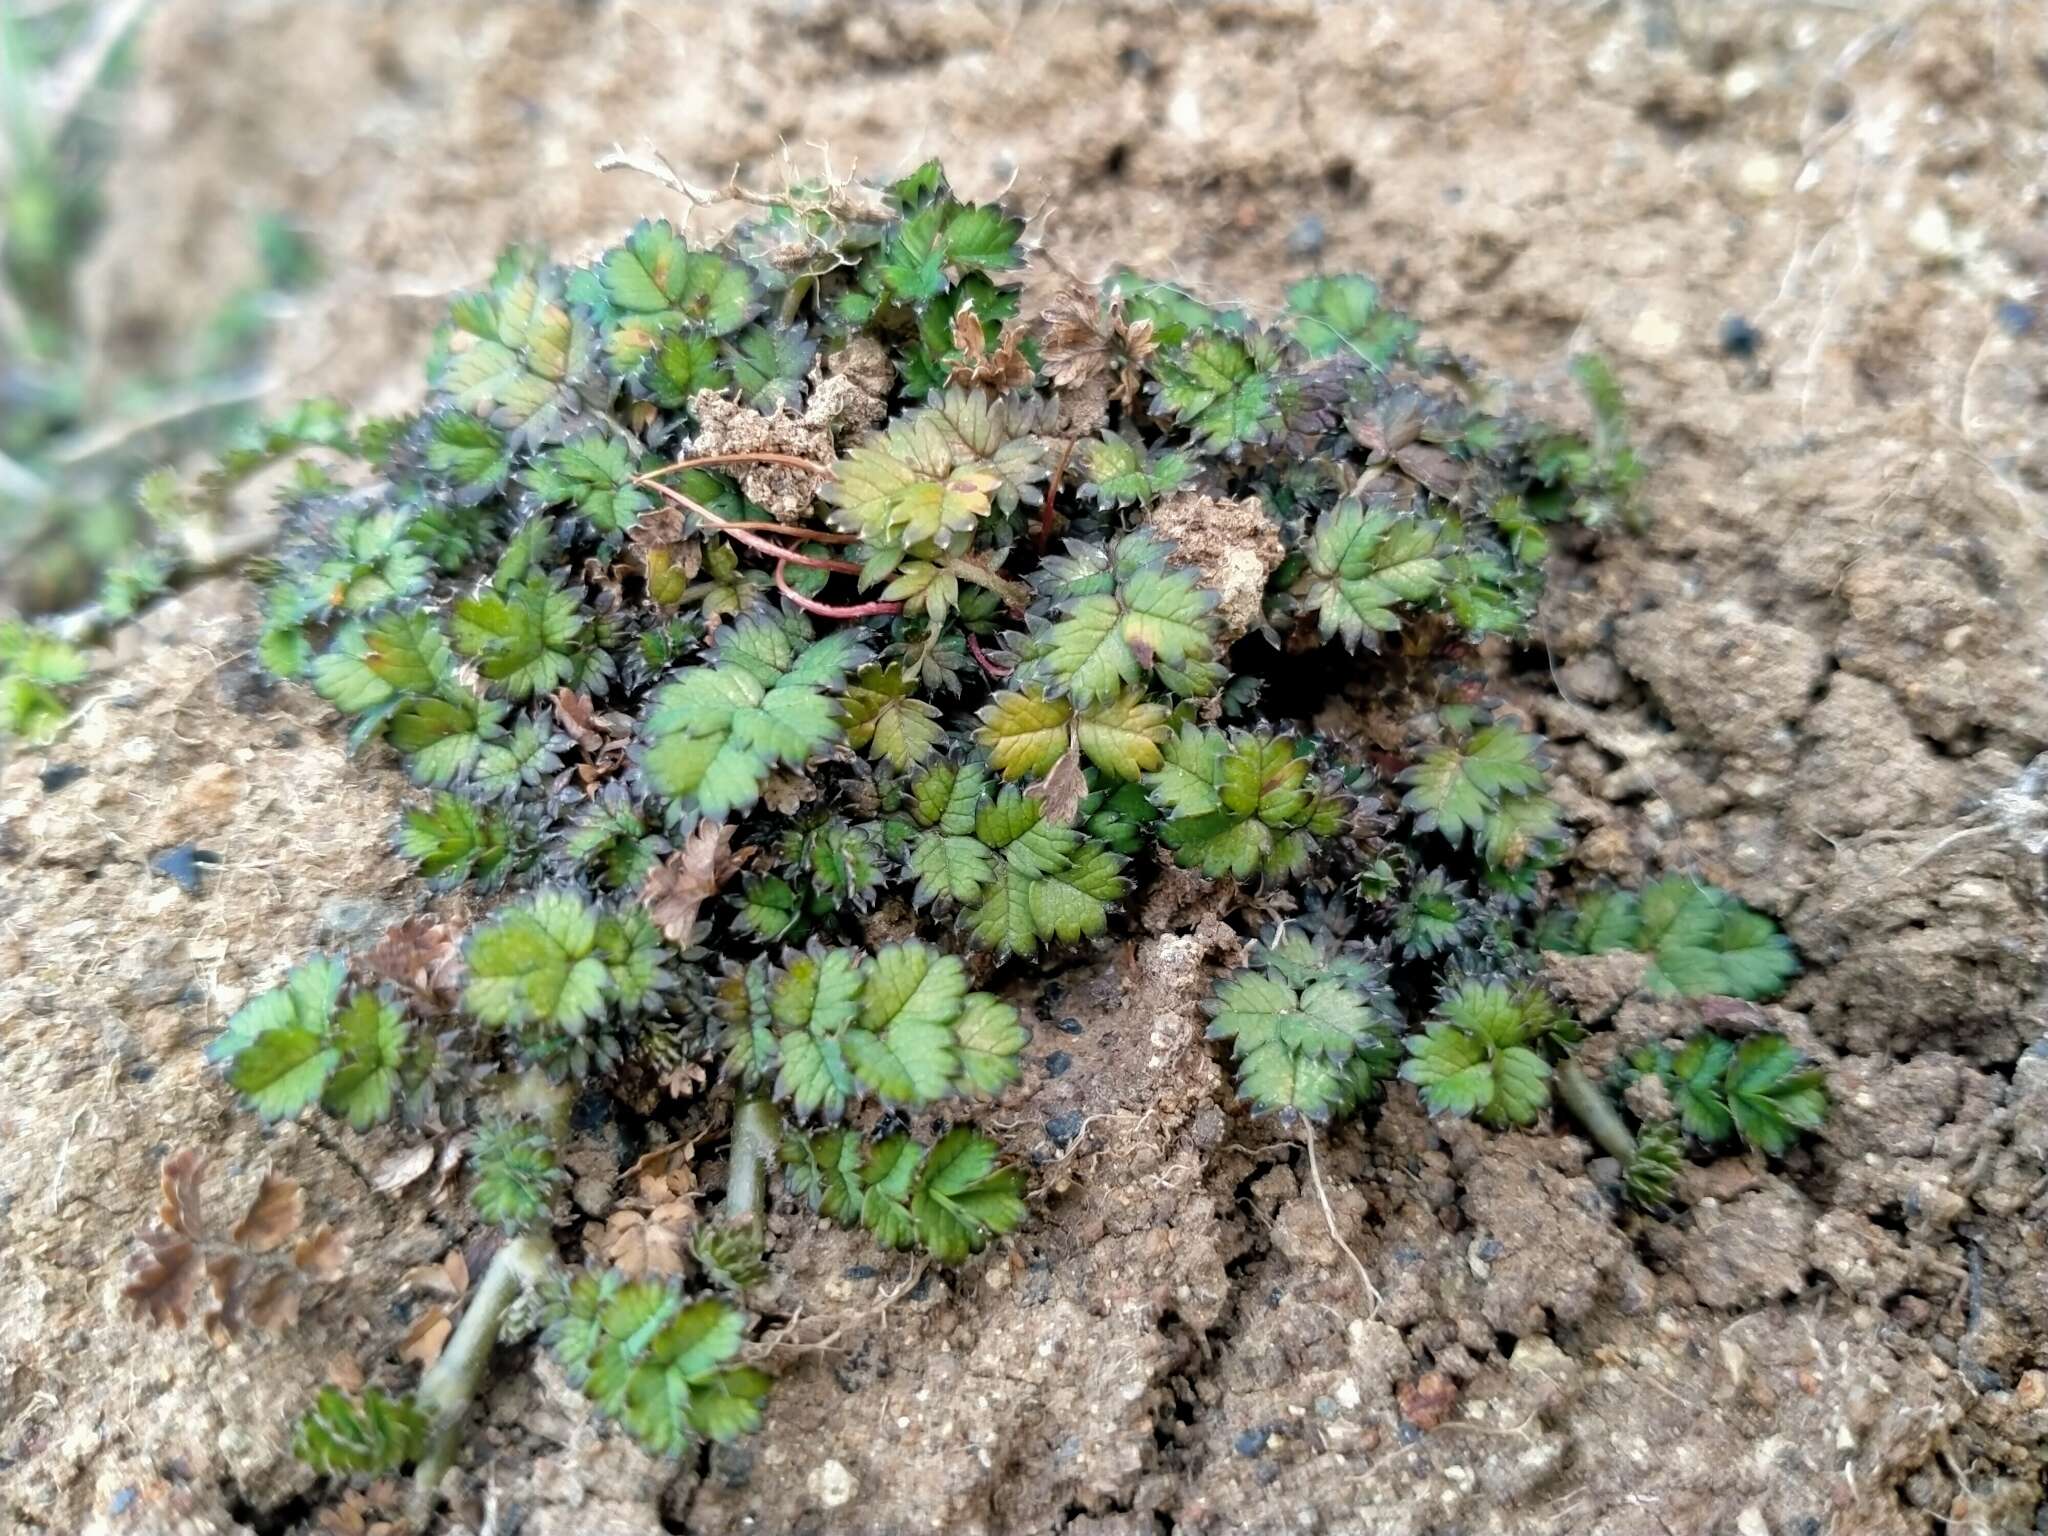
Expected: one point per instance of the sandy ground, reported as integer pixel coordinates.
(1810, 239)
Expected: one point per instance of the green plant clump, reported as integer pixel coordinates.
(790, 637)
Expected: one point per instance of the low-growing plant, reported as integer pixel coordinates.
(791, 632)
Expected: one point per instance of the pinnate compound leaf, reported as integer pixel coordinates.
(764, 701)
(1362, 564)
(1476, 1056)
(658, 1362)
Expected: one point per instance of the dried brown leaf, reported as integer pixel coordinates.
(578, 716)
(449, 1278)
(1427, 1401)
(322, 1255)
(666, 1174)
(1077, 338)
(785, 793)
(273, 1305)
(184, 1171)
(637, 1245)
(224, 1318)
(422, 960)
(403, 1168)
(1062, 790)
(164, 1274)
(1002, 370)
(681, 883)
(426, 1338)
(273, 1216)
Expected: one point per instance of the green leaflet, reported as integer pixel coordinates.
(1026, 732)
(35, 671)
(765, 700)
(1477, 1055)
(521, 358)
(1225, 390)
(1241, 803)
(654, 289)
(516, 1176)
(927, 483)
(948, 1199)
(594, 474)
(299, 1045)
(535, 965)
(1111, 630)
(1488, 784)
(886, 719)
(1763, 1089)
(830, 1026)
(1361, 564)
(657, 1361)
(1343, 315)
(1046, 883)
(1703, 942)
(1312, 1031)
(373, 1435)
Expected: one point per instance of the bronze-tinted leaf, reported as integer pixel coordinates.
(273, 1305)
(224, 1318)
(1063, 789)
(164, 1274)
(184, 1171)
(422, 960)
(322, 1255)
(273, 1216)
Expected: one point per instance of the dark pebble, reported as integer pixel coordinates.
(183, 864)
(860, 1271)
(122, 1501)
(1069, 1026)
(1064, 1128)
(1252, 1442)
(1306, 238)
(1739, 338)
(1491, 1249)
(59, 776)
(1057, 1063)
(2015, 318)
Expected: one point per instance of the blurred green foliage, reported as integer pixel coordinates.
(78, 430)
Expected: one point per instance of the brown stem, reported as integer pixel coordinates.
(1052, 487)
(831, 610)
(994, 671)
(808, 535)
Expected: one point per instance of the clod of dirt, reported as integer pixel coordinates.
(783, 491)
(1555, 1251)
(1741, 689)
(1751, 1250)
(1232, 543)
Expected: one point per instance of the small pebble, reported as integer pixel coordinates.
(1057, 1063)
(1069, 1026)
(1252, 1442)
(59, 776)
(1739, 338)
(1306, 238)
(1064, 1128)
(183, 864)
(859, 1271)
(2014, 318)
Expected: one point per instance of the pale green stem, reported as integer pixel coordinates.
(1594, 1110)
(756, 1139)
(448, 1389)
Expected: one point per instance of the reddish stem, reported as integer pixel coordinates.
(739, 534)
(706, 460)
(994, 671)
(830, 610)
(1052, 487)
